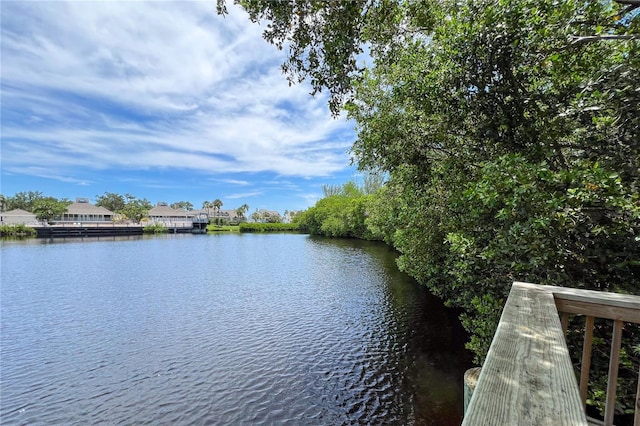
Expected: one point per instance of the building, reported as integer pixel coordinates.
(164, 214)
(226, 215)
(18, 217)
(83, 211)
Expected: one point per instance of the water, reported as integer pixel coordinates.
(222, 329)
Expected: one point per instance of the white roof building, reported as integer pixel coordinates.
(17, 217)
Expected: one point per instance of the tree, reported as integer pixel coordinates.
(507, 144)
(273, 218)
(206, 205)
(329, 190)
(372, 182)
(48, 208)
(256, 216)
(295, 216)
(342, 214)
(111, 201)
(23, 200)
(186, 205)
(217, 204)
(136, 209)
(242, 210)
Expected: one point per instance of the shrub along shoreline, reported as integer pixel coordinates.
(17, 231)
(269, 227)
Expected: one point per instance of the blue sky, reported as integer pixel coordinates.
(163, 100)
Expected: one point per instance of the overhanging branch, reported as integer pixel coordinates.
(589, 39)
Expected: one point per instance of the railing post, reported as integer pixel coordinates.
(612, 383)
(564, 321)
(636, 420)
(470, 382)
(585, 365)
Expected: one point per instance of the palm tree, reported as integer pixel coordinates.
(207, 205)
(216, 205)
(243, 209)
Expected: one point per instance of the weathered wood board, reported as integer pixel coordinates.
(527, 378)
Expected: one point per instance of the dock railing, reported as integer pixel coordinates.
(528, 377)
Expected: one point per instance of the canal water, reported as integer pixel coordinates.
(222, 329)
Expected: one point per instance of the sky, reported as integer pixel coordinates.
(163, 100)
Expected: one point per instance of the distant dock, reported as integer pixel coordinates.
(70, 230)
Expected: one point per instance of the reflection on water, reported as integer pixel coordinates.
(222, 329)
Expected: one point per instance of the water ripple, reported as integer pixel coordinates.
(304, 331)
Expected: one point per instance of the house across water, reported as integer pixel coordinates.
(82, 211)
(18, 217)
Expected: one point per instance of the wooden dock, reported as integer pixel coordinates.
(110, 229)
(88, 230)
(528, 378)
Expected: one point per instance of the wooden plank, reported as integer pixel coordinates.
(612, 382)
(600, 304)
(615, 313)
(527, 378)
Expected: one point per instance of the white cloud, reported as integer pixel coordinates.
(244, 195)
(235, 182)
(140, 85)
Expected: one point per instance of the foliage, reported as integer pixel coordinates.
(49, 208)
(512, 152)
(242, 210)
(372, 182)
(136, 209)
(265, 216)
(217, 204)
(342, 214)
(155, 228)
(268, 227)
(293, 215)
(224, 228)
(329, 190)
(22, 200)
(525, 222)
(111, 201)
(185, 205)
(272, 218)
(17, 230)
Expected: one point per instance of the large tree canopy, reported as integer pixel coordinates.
(510, 132)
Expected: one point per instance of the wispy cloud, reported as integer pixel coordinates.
(244, 195)
(144, 86)
(163, 84)
(235, 182)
